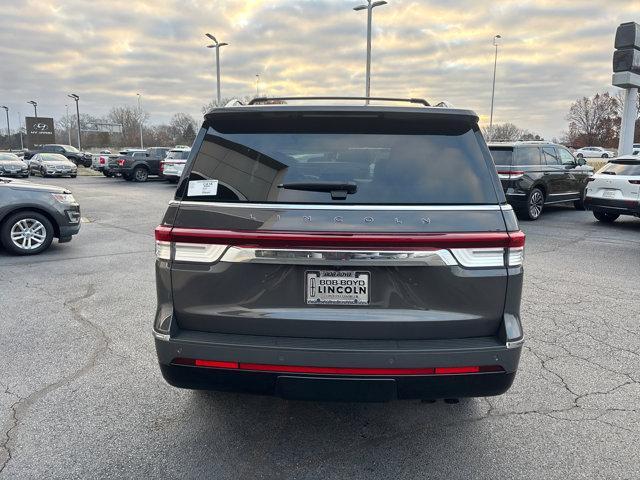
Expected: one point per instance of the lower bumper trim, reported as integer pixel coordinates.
(331, 388)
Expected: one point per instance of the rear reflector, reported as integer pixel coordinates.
(259, 367)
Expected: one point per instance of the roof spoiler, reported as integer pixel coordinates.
(271, 100)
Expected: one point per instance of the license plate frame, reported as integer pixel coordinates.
(609, 193)
(318, 292)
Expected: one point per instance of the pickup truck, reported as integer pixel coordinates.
(138, 165)
(72, 153)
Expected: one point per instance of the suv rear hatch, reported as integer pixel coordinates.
(352, 223)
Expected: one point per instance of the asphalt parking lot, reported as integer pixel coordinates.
(81, 395)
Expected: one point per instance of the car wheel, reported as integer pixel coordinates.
(126, 177)
(580, 155)
(605, 155)
(605, 217)
(140, 174)
(26, 233)
(534, 205)
(73, 176)
(43, 172)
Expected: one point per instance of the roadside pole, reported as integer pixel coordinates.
(626, 75)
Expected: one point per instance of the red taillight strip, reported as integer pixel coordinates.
(275, 239)
(259, 367)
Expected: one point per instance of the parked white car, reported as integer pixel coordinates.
(615, 189)
(172, 166)
(594, 152)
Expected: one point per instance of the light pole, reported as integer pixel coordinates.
(20, 124)
(496, 42)
(6, 110)
(257, 85)
(369, 7)
(217, 46)
(76, 98)
(140, 120)
(35, 107)
(68, 123)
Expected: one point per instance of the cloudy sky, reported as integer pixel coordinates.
(106, 51)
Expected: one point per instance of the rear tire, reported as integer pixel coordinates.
(140, 174)
(534, 205)
(605, 155)
(605, 217)
(26, 233)
(580, 155)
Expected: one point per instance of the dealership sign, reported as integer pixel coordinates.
(40, 131)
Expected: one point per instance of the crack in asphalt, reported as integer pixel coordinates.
(21, 406)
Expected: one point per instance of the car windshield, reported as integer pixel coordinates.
(621, 168)
(53, 157)
(177, 155)
(395, 160)
(8, 156)
(69, 148)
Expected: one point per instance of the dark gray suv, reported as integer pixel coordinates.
(344, 252)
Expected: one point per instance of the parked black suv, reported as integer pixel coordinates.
(72, 153)
(535, 174)
(137, 165)
(342, 253)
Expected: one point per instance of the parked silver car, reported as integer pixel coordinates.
(12, 166)
(52, 165)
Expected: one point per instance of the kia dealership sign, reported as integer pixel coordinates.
(40, 131)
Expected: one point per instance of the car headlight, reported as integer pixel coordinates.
(64, 197)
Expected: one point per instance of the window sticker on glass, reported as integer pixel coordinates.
(202, 188)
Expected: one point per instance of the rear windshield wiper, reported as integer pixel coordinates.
(338, 190)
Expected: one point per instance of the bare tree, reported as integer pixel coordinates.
(129, 117)
(594, 121)
(183, 126)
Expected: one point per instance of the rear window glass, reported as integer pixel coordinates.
(619, 168)
(501, 156)
(435, 162)
(177, 155)
(527, 156)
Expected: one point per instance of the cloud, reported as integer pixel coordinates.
(106, 52)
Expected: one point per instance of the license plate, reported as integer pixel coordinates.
(337, 287)
(609, 194)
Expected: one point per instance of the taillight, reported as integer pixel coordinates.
(590, 179)
(634, 182)
(478, 249)
(121, 162)
(161, 166)
(102, 160)
(510, 174)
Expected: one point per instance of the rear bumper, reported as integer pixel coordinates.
(621, 207)
(482, 351)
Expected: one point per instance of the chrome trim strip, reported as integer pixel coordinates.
(164, 337)
(339, 257)
(515, 343)
(296, 206)
(562, 201)
(566, 193)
